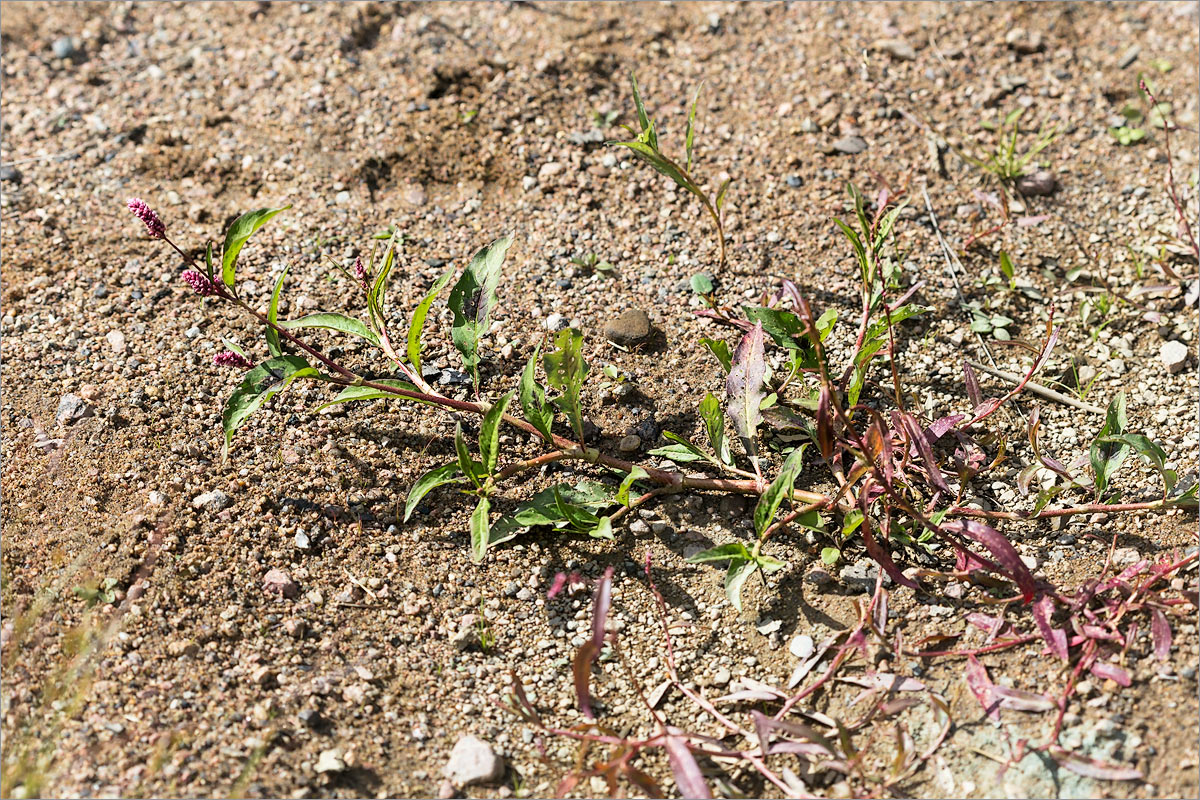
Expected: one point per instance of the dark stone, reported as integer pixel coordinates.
(10, 175)
(631, 328)
(1040, 184)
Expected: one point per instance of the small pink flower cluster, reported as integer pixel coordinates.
(154, 224)
(200, 283)
(360, 271)
(228, 358)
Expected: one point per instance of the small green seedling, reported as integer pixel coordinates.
(104, 593)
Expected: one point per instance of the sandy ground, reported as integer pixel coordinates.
(455, 124)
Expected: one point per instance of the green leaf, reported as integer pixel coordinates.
(272, 313)
(377, 296)
(238, 234)
(352, 393)
(479, 530)
(702, 284)
(333, 322)
(417, 325)
(690, 448)
(647, 125)
(635, 474)
(208, 260)
(466, 464)
(680, 454)
(720, 349)
(780, 488)
(580, 517)
(722, 552)
(1106, 455)
(603, 529)
(1006, 267)
(235, 347)
(664, 166)
(1150, 452)
(714, 421)
(489, 432)
(830, 555)
(784, 327)
(739, 571)
(260, 385)
(690, 131)
(721, 193)
(472, 300)
(566, 371)
(533, 399)
(450, 473)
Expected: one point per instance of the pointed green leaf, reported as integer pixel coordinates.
(1151, 453)
(714, 421)
(235, 347)
(566, 371)
(1107, 456)
(480, 530)
(450, 473)
(647, 125)
(691, 130)
(465, 463)
(260, 385)
(533, 399)
(472, 300)
(780, 488)
(272, 313)
(333, 322)
(724, 552)
(720, 349)
(740, 570)
(603, 529)
(664, 166)
(721, 193)
(208, 260)
(377, 296)
(352, 393)
(238, 234)
(417, 325)
(489, 433)
(635, 474)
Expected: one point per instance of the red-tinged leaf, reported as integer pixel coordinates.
(747, 694)
(791, 290)
(982, 687)
(764, 726)
(1025, 222)
(1001, 549)
(527, 709)
(913, 428)
(885, 680)
(825, 423)
(1056, 638)
(797, 748)
(1102, 669)
(687, 773)
(733, 321)
(1092, 768)
(973, 392)
(1020, 700)
(878, 552)
(1025, 477)
(641, 780)
(898, 704)
(600, 607)
(744, 388)
(1160, 630)
(940, 427)
(582, 669)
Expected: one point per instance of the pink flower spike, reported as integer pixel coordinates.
(154, 223)
(360, 271)
(200, 283)
(228, 358)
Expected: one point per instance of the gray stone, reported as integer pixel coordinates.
(850, 145)
(279, 583)
(212, 502)
(861, 575)
(452, 377)
(331, 761)
(1039, 184)
(1174, 355)
(473, 761)
(630, 444)
(802, 646)
(72, 407)
(1023, 41)
(631, 328)
(896, 48)
(721, 677)
(64, 47)
(555, 322)
(10, 175)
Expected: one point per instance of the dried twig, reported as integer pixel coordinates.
(1040, 390)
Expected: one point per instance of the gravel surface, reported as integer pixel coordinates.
(272, 627)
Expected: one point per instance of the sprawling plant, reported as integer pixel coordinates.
(890, 478)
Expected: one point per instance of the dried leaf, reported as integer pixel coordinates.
(687, 773)
(744, 388)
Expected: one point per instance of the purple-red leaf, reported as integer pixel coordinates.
(885, 680)
(1102, 669)
(1056, 638)
(1020, 700)
(1001, 549)
(600, 607)
(582, 669)
(1160, 630)
(1091, 768)
(881, 555)
(981, 686)
(687, 773)
(913, 428)
(973, 392)
(825, 423)
(744, 387)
